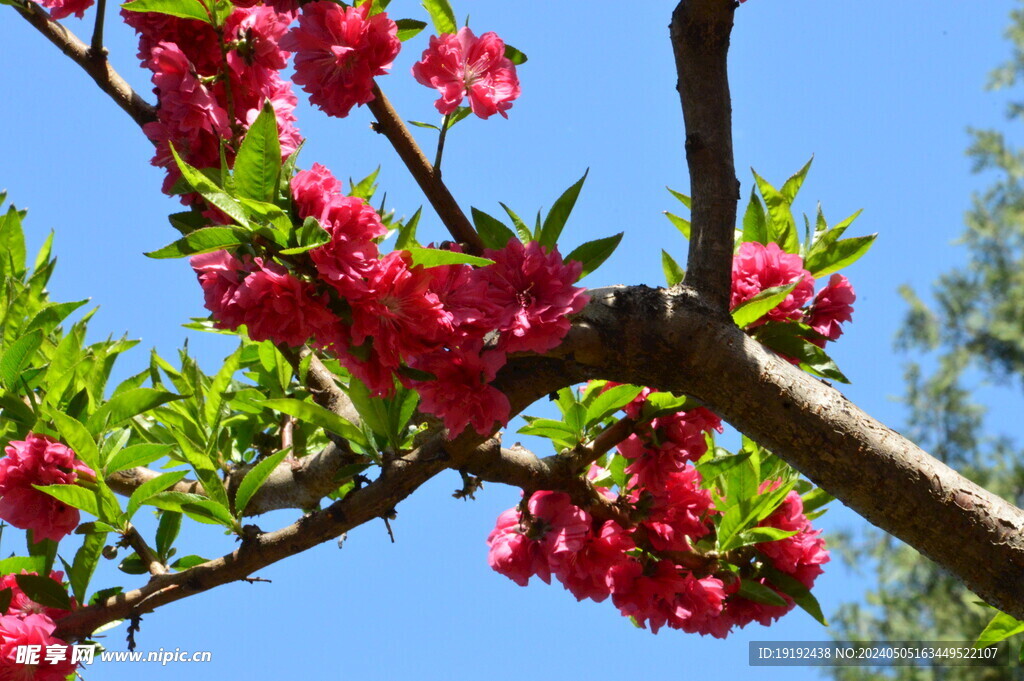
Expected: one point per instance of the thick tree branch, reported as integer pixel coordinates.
(390, 124)
(700, 40)
(92, 62)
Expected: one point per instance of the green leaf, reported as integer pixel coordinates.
(220, 385)
(205, 240)
(73, 495)
(593, 253)
(366, 187)
(12, 245)
(84, 565)
(719, 465)
(209, 191)
(44, 591)
(442, 14)
(255, 478)
(18, 356)
(167, 532)
(434, 257)
(17, 564)
(761, 535)
(755, 591)
(782, 226)
(78, 438)
(208, 511)
(459, 114)
(258, 163)
(761, 304)
(514, 55)
(493, 232)
(662, 403)
(136, 455)
(815, 499)
(188, 221)
(551, 429)
(53, 314)
(755, 223)
(825, 237)
(681, 224)
(428, 126)
(556, 218)
(310, 235)
(409, 28)
(793, 184)
(126, 405)
(183, 9)
(610, 401)
(786, 339)
(151, 488)
(407, 232)
(186, 562)
(525, 235)
(838, 255)
(1000, 628)
(317, 415)
(683, 198)
(797, 591)
(674, 273)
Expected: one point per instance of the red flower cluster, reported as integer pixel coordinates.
(461, 64)
(206, 99)
(757, 267)
(39, 460)
(32, 630)
(388, 314)
(653, 572)
(338, 52)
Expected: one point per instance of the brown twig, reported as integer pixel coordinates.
(391, 126)
(149, 558)
(700, 39)
(100, 70)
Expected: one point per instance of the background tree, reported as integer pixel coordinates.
(970, 335)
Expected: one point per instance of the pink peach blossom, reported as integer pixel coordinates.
(757, 267)
(460, 64)
(338, 52)
(39, 460)
(534, 289)
(832, 306)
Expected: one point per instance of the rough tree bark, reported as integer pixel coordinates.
(680, 340)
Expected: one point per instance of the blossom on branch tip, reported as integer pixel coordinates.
(338, 52)
(39, 460)
(461, 64)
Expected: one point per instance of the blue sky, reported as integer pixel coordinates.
(880, 92)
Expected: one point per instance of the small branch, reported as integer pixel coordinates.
(100, 70)
(301, 485)
(391, 126)
(700, 40)
(96, 49)
(584, 455)
(440, 145)
(149, 558)
(360, 506)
